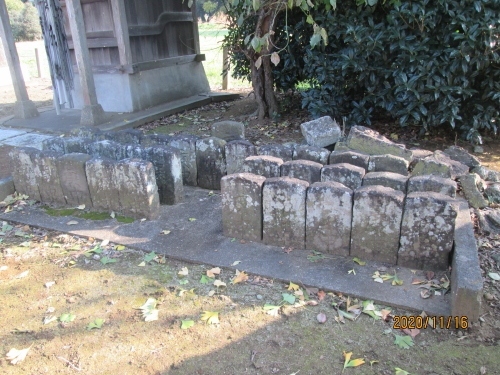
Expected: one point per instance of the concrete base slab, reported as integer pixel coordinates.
(93, 115)
(202, 241)
(25, 109)
(27, 140)
(9, 133)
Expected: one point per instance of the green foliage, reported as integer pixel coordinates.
(24, 20)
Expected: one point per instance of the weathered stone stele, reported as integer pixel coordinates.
(107, 149)
(351, 157)
(186, 144)
(149, 140)
(284, 152)
(284, 212)
(432, 183)
(71, 169)
(267, 166)
(388, 163)
(427, 231)
(321, 132)
(6, 187)
(456, 168)
(242, 206)
(306, 170)
(431, 166)
(127, 136)
(77, 145)
(392, 180)
(210, 162)
(236, 153)
(347, 174)
(228, 130)
(168, 171)
(23, 171)
(461, 155)
(103, 188)
(376, 223)
(371, 142)
(47, 178)
(471, 191)
(138, 193)
(328, 218)
(312, 153)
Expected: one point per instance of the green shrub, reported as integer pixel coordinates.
(24, 21)
(424, 62)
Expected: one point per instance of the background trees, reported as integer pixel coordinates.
(24, 20)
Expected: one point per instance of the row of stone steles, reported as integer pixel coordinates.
(127, 186)
(371, 222)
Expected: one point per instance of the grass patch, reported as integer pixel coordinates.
(88, 215)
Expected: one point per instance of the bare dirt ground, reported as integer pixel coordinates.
(74, 302)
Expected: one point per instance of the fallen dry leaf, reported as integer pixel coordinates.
(321, 295)
(240, 277)
(15, 356)
(214, 271)
(411, 332)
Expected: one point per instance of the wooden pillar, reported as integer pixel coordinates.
(92, 112)
(121, 32)
(196, 34)
(24, 107)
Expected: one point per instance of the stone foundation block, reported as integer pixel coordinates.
(242, 206)
(470, 183)
(71, 169)
(103, 188)
(388, 163)
(430, 165)
(392, 180)
(351, 157)
(151, 140)
(168, 171)
(347, 174)
(284, 152)
(328, 218)
(321, 132)
(210, 162)
(23, 171)
(434, 184)
(427, 231)
(107, 149)
(90, 132)
(56, 144)
(284, 212)
(267, 166)
(376, 223)
(127, 136)
(236, 153)
(77, 145)
(461, 155)
(306, 170)
(312, 153)
(371, 142)
(186, 144)
(456, 168)
(138, 193)
(228, 130)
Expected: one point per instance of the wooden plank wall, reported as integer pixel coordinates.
(156, 39)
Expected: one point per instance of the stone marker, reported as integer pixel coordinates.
(107, 149)
(77, 145)
(149, 140)
(471, 191)
(56, 144)
(342, 146)
(228, 130)
(487, 174)
(71, 169)
(129, 151)
(347, 174)
(492, 192)
(456, 168)
(430, 165)
(427, 231)
(186, 144)
(466, 279)
(210, 162)
(388, 163)
(306, 170)
(376, 223)
(321, 132)
(435, 184)
(168, 171)
(371, 142)
(284, 152)
(138, 193)
(312, 153)
(236, 153)
(388, 179)
(94, 134)
(47, 177)
(328, 218)
(23, 171)
(267, 166)
(351, 157)
(103, 188)
(242, 206)
(127, 136)
(284, 212)
(6, 187)
(461, 155)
